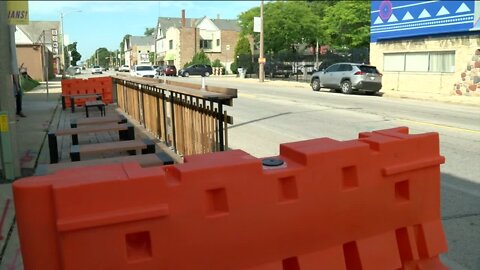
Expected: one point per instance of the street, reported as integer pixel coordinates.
(266, 115)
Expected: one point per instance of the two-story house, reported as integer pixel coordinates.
(137, 50)
(178, 39)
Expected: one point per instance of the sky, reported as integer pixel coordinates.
(96, 24)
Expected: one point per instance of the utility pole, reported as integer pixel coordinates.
(261, 67)
(8, 123)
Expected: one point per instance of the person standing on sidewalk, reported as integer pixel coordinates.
(18, 94)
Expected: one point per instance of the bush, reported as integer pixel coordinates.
(234, 67)
(217, 63)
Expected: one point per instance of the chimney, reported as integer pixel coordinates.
(184, 22)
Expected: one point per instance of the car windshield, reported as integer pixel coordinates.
(369, 69)
(96, 66)
(143, 68)
(170, 66)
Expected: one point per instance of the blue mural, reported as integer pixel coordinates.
(396, 19)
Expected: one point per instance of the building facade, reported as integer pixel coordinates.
(35, 47)
(137, 50)
(179, 39)
(427, 46)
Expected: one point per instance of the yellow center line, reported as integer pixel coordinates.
(440, 126)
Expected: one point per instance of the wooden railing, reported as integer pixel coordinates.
(185, 117)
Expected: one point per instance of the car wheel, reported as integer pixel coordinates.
(316, 85)
(206, 74)
(185, 74)
(346, 87)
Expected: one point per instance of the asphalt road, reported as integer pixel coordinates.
(266, 115)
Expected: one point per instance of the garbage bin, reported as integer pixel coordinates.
(241, 72)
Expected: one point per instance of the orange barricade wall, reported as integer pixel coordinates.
(370, 203)
(98, 85)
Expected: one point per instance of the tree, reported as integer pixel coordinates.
(149, 31)
(347, 24)
(76, 56)
(285, 23)
(199, 58)
(243, 55)
(122, 48)
(101, 57)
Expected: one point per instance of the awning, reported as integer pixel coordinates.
(169, 56)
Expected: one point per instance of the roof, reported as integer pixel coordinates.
(34, 30)
(142, 40)
(222, 24)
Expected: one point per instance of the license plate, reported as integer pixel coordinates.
(372, 78)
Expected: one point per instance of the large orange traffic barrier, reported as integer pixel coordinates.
(369, 203)
(96, 85)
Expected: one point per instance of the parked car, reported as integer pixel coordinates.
(348, 77)
(169, 70)
(73, 70)
(124, 68)
(96, 69)
(143, 71)
(274, 69)
(203, 70)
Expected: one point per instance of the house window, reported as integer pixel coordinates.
(218, 42)
(205, 44)
(420, 62)
(170, 44)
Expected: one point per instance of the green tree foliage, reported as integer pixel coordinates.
(151, 57)
(101, 57)
(76, 56)
(285, 23)
(199, 58)
(243, 46)
(340, 24)
(347, 24)
(243, 55)
(217, 63)
(122, 48)
(149, 31)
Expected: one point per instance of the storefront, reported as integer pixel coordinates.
(427, 46)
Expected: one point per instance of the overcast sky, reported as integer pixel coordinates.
(104, 23)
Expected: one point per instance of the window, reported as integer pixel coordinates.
(442, 62)
(416, 62)
(170, 44)
(218, 42)
(205, 44)
(420, 62)
(345, 67)
(332, 68)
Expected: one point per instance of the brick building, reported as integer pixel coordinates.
(34, 48)
(178, 39)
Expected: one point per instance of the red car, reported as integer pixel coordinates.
(169, 70)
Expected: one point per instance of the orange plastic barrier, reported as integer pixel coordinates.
(370, 203)
(96, 85)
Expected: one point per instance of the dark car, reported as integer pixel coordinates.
(202, 70)
(348, 77)
(275, 69)
(169, 70)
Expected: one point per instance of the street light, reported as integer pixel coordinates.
(62, 14)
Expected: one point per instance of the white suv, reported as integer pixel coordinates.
(124, 68)
(96, 69)
(143, 71)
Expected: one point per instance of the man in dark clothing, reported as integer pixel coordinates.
(18, 94)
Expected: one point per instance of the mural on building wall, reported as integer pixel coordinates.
(469, 82)
(396, 19)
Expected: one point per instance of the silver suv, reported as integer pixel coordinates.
(348, 77)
